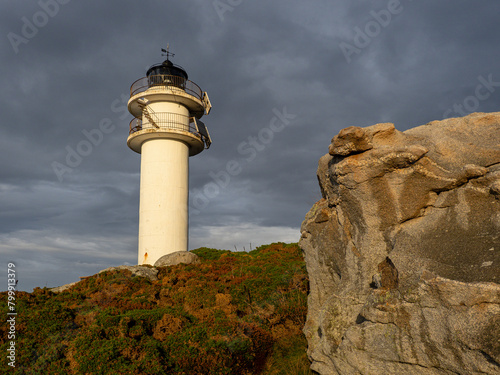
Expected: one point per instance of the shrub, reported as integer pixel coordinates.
(235, 313)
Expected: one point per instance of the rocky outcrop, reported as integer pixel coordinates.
(148, 272)
(403, 250)
(151, 273)
(62, 288)
(178, 257)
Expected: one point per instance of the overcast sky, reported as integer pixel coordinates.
(283, 78)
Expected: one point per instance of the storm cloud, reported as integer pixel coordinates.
(283, 77)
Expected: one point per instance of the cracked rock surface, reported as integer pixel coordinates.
(403, 250)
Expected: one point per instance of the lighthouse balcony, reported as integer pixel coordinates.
(169, 82)
(168, 88)
(165, 122)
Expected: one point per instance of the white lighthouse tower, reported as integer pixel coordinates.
(166, 130)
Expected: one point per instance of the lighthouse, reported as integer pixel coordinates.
(166, 131)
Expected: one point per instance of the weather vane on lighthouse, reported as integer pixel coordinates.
(166, 131)
(166, 52)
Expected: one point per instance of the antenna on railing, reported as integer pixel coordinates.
(166, 52)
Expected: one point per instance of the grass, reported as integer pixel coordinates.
(235, 313)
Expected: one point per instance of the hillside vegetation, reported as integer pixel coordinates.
(235, 313)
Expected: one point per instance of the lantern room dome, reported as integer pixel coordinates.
(167, 68)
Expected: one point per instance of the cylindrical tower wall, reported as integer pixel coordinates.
(163, 213)
(167, 115)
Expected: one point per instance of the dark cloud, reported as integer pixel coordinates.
(73, 73)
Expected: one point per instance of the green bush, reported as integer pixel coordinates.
(235, 313)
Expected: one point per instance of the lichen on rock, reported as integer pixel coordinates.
(403, 250)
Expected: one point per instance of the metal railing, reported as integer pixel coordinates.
(142, 84)
(165, 121)
(170, 121)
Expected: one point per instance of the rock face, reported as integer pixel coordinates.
(62, 288)
(141, 271)
(403, 251)
(178, 257)
(148, 272)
